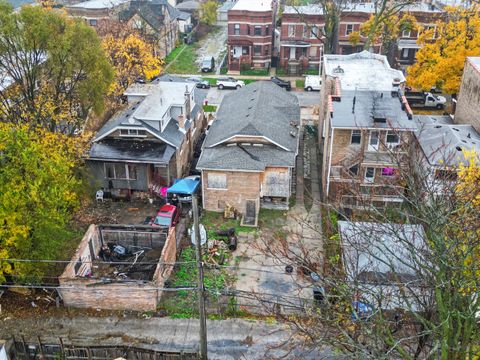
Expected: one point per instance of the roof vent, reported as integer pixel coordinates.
(338, 70)
(455, 129)
(293, 133)
(458, 148)
(438, 126)
(464, 141)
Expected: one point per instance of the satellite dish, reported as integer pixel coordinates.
(131, 120)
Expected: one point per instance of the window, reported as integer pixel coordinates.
(120, 171)
(406, 33)
(349, 29)
(356, 137)
(216, 180)
(267, 30)
(393, 138)
(92, 22)
(313, 52)
(291, 30)
(388, 171)
(257, 50)
(236, 29)
(354, 169)
(373, 141)
(431, 27)
(305, 31)
(369, 174)
(405, 53)
(257, 31)
(244, 50)
(133, 133)
(314, 32)
(267, 50)
(446, 175)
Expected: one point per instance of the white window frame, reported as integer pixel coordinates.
(236, 27)
(127, 172)
(373, 147)
(389, 143)
(255, 28)
(406, 33)
(357, 132)
(367, 178)
(209, 187)
(314, 32)
(291, 30)
(133, 133)
(346, 29)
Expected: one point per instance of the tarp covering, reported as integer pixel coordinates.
(186, 186)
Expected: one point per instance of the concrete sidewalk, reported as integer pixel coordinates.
(227, 339)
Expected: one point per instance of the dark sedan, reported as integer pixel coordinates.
(282, 83)
(199, 82)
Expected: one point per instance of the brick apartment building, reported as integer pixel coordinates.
(251, 26)
(302, 27)
(469, 97)
(366, 130)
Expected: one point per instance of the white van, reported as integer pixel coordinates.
(313, 83)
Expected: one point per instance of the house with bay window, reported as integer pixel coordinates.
(251, 26)
(150, 143)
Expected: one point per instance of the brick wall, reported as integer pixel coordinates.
(469, 97)
(241, 186)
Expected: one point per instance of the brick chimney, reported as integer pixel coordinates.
(181, 121)
(188, 104)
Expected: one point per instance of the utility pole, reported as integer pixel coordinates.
(200, 286)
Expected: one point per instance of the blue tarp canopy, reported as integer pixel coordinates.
(184, 186)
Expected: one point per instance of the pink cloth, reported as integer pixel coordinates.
(163, 191)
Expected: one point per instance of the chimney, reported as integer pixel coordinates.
(188, 105)
(181, 122)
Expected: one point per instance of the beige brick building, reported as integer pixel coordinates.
(468, 106)
(249, 154)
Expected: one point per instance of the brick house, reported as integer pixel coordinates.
(466, 111)
(248, 157)
(302, 30)
(366, 130)
(146, 146)
(97, 13)
(251, 25)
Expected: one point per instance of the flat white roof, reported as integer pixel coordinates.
(98, 4)
(158, 98)
(253, 5)
(362, 71)
(315, 9)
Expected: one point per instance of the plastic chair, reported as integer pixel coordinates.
(99, 195)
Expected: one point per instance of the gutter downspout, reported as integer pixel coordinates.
(203, 192)
(329, 161)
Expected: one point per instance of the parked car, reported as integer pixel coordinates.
(313, 82)
(282, 83)
(230, 83)
(167, 216)
(199, 82)
(208, 64)
(425, 99)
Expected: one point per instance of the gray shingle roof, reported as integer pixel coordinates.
(152, 11)
(367, 104)
(247, 158)
(259, 109)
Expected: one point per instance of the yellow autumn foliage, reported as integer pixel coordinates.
(132, 59)
(441, 59)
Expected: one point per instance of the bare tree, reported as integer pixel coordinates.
(399, 281)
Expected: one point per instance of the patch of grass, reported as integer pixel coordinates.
(311, 72)
(214, 221)
(292, 201)
(254, 72)
(300, 84)
(281, 72)
(185, 63)
(209, 108)
(211, 81)
(273, 219)
(248, 81)
(173, 54)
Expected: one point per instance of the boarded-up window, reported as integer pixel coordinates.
(276, 184)
(217, 181)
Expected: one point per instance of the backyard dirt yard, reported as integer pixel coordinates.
(214, 44)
